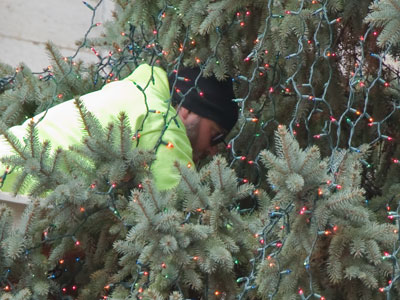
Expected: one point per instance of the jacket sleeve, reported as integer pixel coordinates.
(165, 174)
(174, 146)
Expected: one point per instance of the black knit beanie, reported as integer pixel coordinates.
(211, 99)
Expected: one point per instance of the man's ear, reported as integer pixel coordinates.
(183, 113)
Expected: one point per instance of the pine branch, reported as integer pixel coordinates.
(12, 140)
(386, 13)
(272, 162)
(221, 183)
(5, 221)
(19, 182)
(125, 135)
(341, 200)
(62, 67)
(192, 189)
(83, 114)
(150, 190)
(44, 154)
(109, 134)
(29, 216)
(33, 138)
(122, 118)
(311, 156)
(86, 142)
(217, 15)
(14, 245)
(55, 57)
(136, 199)
(56, 159)
(284, 144)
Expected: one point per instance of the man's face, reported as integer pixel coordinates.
(200, 132)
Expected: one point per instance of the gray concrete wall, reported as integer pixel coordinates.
(25, 26)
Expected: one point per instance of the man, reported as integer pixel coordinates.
(207, 111)
(204, 116)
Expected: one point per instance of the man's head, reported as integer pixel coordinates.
(206, 109)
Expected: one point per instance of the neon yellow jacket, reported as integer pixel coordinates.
(62, 125)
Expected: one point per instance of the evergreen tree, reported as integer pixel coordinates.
(252, 223)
